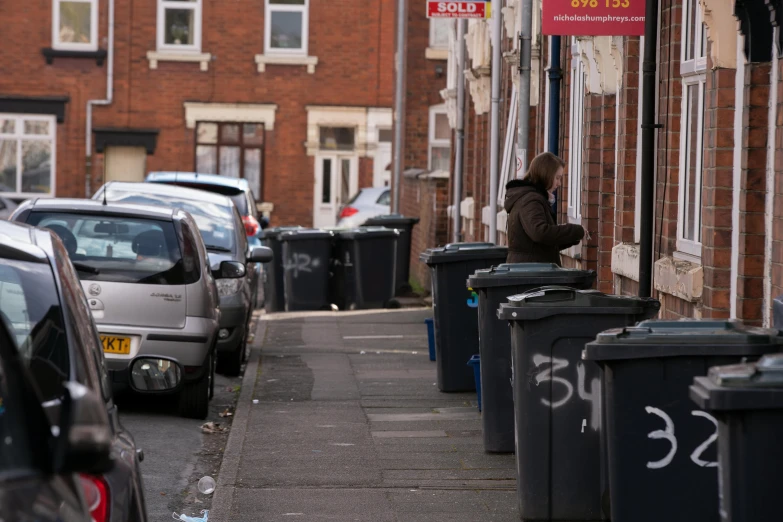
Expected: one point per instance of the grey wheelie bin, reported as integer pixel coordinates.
(306, 256)
(557, 397)
(274, 300)
(363, 264)
(405, 226)
(493, 286)
(455, 310)
(661, 450)
(747, 401)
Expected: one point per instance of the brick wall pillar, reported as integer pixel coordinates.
(625, 189)
(777, 228)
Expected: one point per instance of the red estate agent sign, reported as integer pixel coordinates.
(457, 9)
(593, 17)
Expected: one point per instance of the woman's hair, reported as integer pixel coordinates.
(543, 169)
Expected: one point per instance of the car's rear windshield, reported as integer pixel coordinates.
(215, 222)
(236, 195)
(118, 248)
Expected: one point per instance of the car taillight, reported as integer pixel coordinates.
(96, 495)
(348, 212)
(251, 225)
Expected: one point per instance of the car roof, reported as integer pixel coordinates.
(22, 241)
(161, 189)
(93, 206)
(195, 177)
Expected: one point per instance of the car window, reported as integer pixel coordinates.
(242, 238)
(214, 221)
(31, 309)
(122, 249)
(15, 454)
(251, 204)
(385, 198)
(354, 198)
(190, 257)
(240, 200)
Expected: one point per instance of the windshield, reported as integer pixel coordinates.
(122, 249)
(215, 222)
(31, 310)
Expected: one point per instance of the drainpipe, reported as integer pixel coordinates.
(555, 74)
(106, 101)
(494, 131)
(399, 103)
(460, 145)
(525, 42)
(649, 126)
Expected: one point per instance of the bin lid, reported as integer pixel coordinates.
(305, 234)
(276, 231)
(548, 301)
(746, 386)
(456, 252)
(541, 274)
(684, 337)
(367, 233)
(392, 220)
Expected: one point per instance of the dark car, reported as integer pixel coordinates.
(45, 312)
(223, 232)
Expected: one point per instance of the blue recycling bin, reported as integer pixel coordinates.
(475, 362)
(430, 322)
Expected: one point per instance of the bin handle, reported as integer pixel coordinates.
(570, 293)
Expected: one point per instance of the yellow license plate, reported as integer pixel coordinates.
(120, 345)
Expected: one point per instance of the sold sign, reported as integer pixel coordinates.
(457, 9)
(593, 17)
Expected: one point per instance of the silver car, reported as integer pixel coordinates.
(147, 278)
(367, 203)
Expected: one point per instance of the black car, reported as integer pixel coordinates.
(45, 312)
(223, 232)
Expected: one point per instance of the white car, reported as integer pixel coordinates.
(367, 203)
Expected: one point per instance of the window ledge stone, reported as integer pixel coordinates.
(50, 54)
(262, 60)
(679, 278)
(625, 261)
(154, 57)
(434, 53)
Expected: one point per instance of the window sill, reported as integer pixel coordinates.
(434, 53)
(262, 60)
(50, 54)
(679, 278)
(154, 57)
(625, 261)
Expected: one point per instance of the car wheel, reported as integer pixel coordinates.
(194, 397)
(233, 363)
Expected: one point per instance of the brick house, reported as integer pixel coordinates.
(268, 90)
(718, 236)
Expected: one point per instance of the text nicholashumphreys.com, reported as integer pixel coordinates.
(597, 18)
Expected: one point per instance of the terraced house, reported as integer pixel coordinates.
(718, 233)
(279, 92)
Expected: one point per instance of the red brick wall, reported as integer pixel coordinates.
(777, 228)
(426, 198)
(628, 100)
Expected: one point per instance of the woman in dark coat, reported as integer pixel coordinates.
(533, 235)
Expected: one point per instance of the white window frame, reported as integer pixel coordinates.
(693, 72)
(304, 9)
(19, 136)
(434, 21)
(70, 46)
(576, 133)
(196, 7)
(431, 141)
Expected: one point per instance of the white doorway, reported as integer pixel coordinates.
(336, 182)
(381, 176)
(125, 164)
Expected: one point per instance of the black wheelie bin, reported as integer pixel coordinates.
(455, 310)
(493, 286)
(274, 298)
(306, 259)
(557, 397)
(403, 265)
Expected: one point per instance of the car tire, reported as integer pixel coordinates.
(232, 366)
(194, 397)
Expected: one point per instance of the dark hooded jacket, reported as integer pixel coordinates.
(533, 236)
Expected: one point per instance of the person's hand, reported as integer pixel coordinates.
(587, 232)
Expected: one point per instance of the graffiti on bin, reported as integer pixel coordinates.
(667, 434)
(592, 397)
(301, 262)
(472, 299)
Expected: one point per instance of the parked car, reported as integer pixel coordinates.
(221, 227)
(48, 337)
(7, 207)
(365, 204)
(146, 273)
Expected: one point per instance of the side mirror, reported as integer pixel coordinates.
(155, 374)
(260, 254)
(230, 270)
(83, 444)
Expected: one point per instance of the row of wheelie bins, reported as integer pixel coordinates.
(347, 269)
(611, 414)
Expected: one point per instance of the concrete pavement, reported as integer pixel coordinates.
(349, 425)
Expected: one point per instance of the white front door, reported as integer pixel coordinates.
(336, 181)
(381, 174)
(125, 163)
